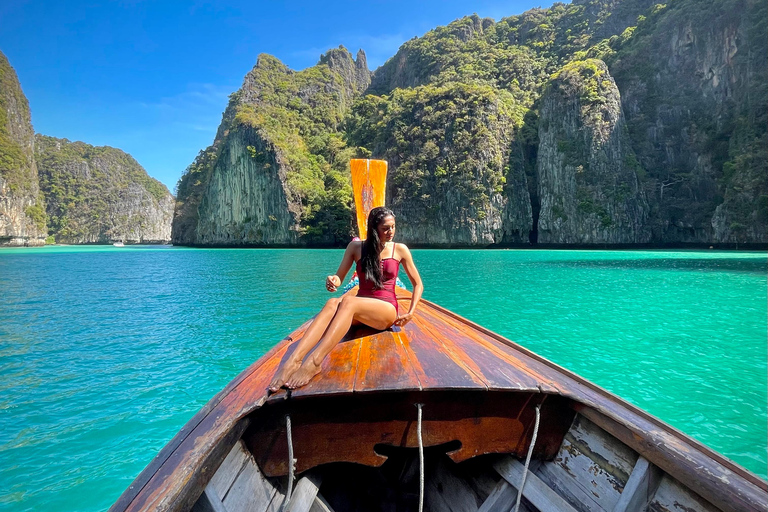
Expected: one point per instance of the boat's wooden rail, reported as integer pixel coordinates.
(716, 478)
(437, 352)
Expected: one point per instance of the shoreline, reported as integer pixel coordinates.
(730, 247)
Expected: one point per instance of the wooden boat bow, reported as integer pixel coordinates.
(479, 388)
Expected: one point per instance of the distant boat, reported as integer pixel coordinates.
(119, 244)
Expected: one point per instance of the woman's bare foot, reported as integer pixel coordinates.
(283, 374)
(303, 375)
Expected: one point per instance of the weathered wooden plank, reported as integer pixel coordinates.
(181, 487)
(704, 472)
(591, 467)
(181, 478)
(303, 497)
(503, 366)
(347, 428)
(445, 491)
(250, 491)
(554, 424)
(480, 476)
(320, 505)
(209, 501)
(672, 496)
(640, 487)
(383, 365)
(537, 492)
(141, 485)
(483, 359)
(501, 499)
(445, 339)
(225, 476)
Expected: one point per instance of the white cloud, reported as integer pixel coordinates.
(197, 96)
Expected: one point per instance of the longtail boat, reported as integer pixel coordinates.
(441, 414)
(354, 436)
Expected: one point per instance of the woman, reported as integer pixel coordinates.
(378, 259)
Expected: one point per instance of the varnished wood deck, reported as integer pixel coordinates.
(437, 353)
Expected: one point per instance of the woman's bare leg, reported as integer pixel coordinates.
(306, 343)
(372, 312)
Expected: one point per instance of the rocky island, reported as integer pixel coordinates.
(54, 190)
(624, 122)
(100, 194)
(22, 210)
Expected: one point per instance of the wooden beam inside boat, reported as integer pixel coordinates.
(500, 498)
(349, 428)
(694, 469)
(209, 501)
(304, 495)
(239, 486)
(641, 486)
(535, 491)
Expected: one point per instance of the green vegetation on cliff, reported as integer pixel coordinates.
(457, 113)
(517, 53)
(587, 172)
(22, 214)
(15, 166)
(89, 189)
(297, 117)
(451, 138)
(189, 192)
(695, 73)
(82, 193)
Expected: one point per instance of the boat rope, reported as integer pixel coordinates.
(528, 457)
(291, 460)
(421, 458)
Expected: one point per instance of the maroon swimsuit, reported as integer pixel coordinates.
(389, 269)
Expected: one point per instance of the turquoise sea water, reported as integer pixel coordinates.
(105, 352)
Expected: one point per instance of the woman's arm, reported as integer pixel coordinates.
(413, 274)
(334, 281)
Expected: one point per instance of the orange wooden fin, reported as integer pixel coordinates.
(369, 184)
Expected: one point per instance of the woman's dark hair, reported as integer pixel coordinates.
(369, 259)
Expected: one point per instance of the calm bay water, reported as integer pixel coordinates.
(105, 353)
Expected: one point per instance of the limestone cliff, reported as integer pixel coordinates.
(595, 122)
(694, 90)
(277, 172)
(510, 53)
(22, 214)
(448, 150)
(587, 172)
(247, 200)
(100, 195)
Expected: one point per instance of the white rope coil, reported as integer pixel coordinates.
(528, 457)
(421, 458)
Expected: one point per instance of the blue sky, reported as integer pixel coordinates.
(152, 78)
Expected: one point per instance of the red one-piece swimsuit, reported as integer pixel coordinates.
(389, 269)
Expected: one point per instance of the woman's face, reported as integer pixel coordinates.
(386, 229)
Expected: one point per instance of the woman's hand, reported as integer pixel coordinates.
(403, 319)
(332, 283)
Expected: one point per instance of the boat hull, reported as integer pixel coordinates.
(479, 392)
